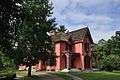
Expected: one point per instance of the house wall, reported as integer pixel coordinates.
(63, 62)
(40, 66)
(87, 41)
(79, 62)
(59, 47)
(61, 59)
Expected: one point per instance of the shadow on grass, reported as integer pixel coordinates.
(34, 77)
(62, 75)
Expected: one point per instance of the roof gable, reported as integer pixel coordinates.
(77, 35)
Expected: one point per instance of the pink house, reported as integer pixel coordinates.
(72, 50)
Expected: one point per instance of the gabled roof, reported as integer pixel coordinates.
(77, 35)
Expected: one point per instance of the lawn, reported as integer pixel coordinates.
(62, 75)
(34, 77)
(41, 76)
(101, 75)
(98, 75)
(23, 76)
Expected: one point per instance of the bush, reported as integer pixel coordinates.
(8, 77)
(111, 62)
(7, 74)
(7, 68)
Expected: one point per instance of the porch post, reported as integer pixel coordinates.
(68, 61)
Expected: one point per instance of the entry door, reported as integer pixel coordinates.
(72, 62)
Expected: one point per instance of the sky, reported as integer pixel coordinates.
(102, 17)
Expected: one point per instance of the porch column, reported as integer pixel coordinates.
(68, 61)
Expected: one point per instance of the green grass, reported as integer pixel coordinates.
(23, 75)
(62, 75)
(34, 77)
(98, 75)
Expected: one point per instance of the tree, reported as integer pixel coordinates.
(61, 28)
(9, 20)
(99, 52)
(107, 53)
(111, 62)
(112, 59)
(114, 44)
(1, 64)
(33, 40)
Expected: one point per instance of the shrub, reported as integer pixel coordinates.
(7, 68)
(111, 62)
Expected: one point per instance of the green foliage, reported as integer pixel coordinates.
(33, 40)
(111, 62)
(9, 20)
(99, 52)
(6, 62)
(7, 68)
(1, 64)
(24, 28)
(61, 28)
(33, 36)
(107, 53)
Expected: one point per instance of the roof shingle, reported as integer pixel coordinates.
(76, 35)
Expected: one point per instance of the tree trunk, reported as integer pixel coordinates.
(29, 69)
(29, 64)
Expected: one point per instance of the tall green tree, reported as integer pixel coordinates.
(9, 19)
(34, 42)
(99, 52)
(111, 60)
(108, 52)
(113, 44)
